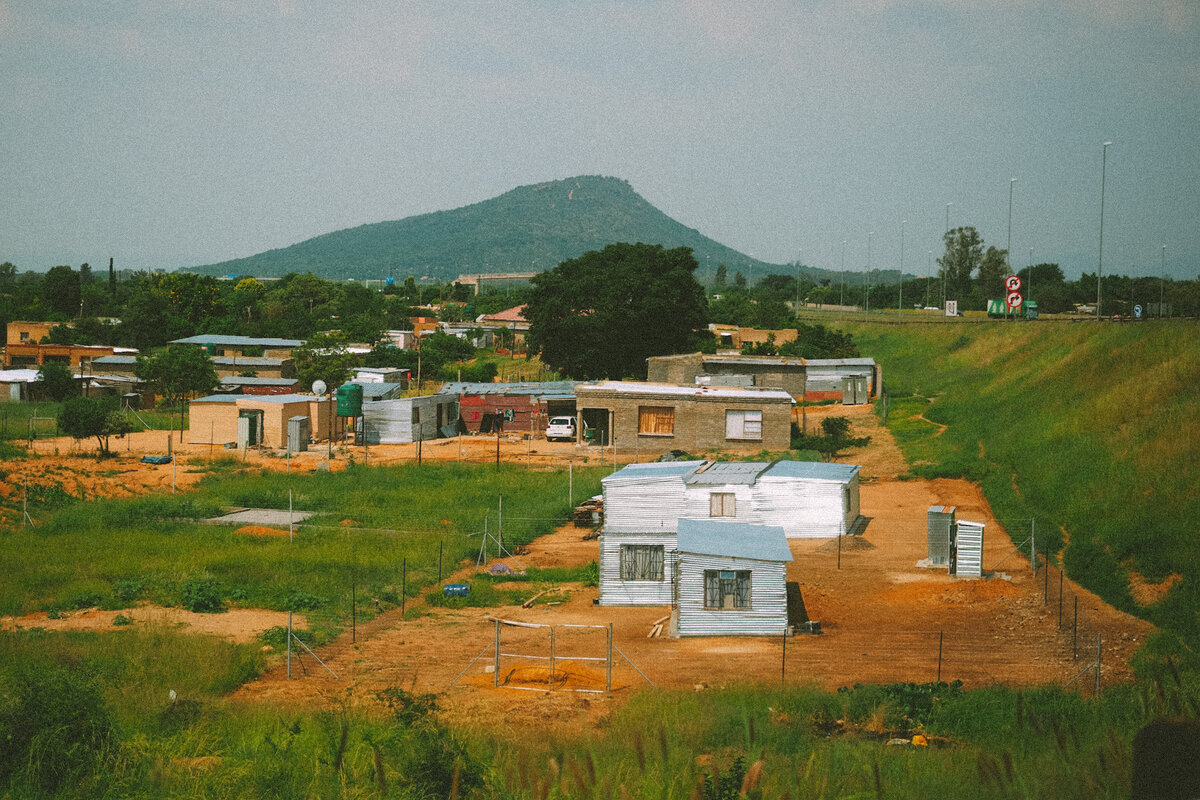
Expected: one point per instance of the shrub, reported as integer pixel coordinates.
(201, 595)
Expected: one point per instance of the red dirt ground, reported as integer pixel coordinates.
(883, 618)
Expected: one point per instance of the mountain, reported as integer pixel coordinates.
(529, 229)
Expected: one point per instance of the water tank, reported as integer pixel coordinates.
(349, 400)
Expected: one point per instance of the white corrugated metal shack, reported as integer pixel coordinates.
(731, 580)
(408, 419)
(637, 544)
(644, 504)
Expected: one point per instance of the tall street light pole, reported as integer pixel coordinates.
(842, 296)
(1008, 250)
(1100, 260)
(943, 269)
(1161, 281)
(1029, 275)
(900, 302)
(867, 281)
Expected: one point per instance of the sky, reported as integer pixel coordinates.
(172, 133)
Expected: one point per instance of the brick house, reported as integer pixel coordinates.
(657, 417)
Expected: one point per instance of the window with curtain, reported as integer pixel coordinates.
(656, 420)
(641, 562)
(726, 588)
(743, 424)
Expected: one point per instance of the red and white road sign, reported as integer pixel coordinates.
(1014, 299)
(1013, 284)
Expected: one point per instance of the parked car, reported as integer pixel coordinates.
(560, 428)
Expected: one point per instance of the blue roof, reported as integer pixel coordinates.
(812, 470)
(654, 469)
(734, 539)
(239, 381)
(558, 389)
(245, 341)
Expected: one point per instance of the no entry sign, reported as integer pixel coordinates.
(1014, 299)
(1013, 284)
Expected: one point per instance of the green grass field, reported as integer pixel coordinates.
(1092, 430)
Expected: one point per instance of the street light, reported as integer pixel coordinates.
(900, 302)
(1007, 260)
(842, 295)
(1029, 276)
(1161, 281)
(1100, 260)
(867, 281)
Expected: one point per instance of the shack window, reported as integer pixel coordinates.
(722, 504)
(656, 420)
(416, 415)
(641, 562)
(743, 424)
(726, 588)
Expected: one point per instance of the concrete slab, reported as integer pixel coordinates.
(259, 516)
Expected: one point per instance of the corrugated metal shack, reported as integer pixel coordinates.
(810, 499)
(731, 580)
(829, 379)
(408, 419)
(523, 406)
(637, 544)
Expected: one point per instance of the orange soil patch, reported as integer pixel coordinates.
(241, 625)
(260, 530)
(1147, 594)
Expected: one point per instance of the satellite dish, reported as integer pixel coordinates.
(319, 387)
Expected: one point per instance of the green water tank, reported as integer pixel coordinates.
(349, 400)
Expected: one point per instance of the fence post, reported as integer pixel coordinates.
(941, 634)
(1075, 633)
(571, 483)
(496, 667)
(289, 647)
(1033, 546)
(1098, 655)
(608, 665)
(441, 547)
(1060, 587)
(1046, 584)
(550, 678)
(353, 610)
(403, 585)
(783, 661)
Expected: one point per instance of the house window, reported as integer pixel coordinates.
(726, 588)
(722, 504)
(641, 562)
(743, 424)
(24, 337)
(656, 420)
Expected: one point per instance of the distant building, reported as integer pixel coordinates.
(811, 379)
(221, 345)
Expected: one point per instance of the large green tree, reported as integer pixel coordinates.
(61, 291)
(177, 373)
(58, 380)
(964, 254)
(603, 314)
(324, 357)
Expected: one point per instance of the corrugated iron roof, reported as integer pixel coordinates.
(726, 472)
(813, 470)
(238, 381)
(247, 361)
(246, 341)
(733, 539)
(564, 390)
(265, 398)
(841, 362)
(718, 392)
(654, 469)
(115, 360)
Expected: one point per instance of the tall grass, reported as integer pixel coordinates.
(1087, 428)
(379, 531)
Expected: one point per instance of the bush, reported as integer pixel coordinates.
(201, 595)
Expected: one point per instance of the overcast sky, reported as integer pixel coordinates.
(169, 133)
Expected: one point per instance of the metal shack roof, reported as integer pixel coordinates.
(812, 470)
(563, 390)
(257, 398)
(715, 392)
(247, 361)
(103, 360)
(841, 362)
(245, 341)
(653, 469)
(728, 472)
(239, 381)
(733, 539)
(757, 361)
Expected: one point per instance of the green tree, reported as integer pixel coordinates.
(60, 291)
(177, 373)
(58, 380)
(964, 253)
(84, 417)
(721, 277)
(324, 357)
(993, 269)
(603, 314)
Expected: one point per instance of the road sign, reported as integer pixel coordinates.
(1014, 299)
(1137, 312)
(1012, 283)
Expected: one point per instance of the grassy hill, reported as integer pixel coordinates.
(528, 229)
(1092, 430)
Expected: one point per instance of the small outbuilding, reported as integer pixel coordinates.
(216, 419)
(731, 580)
(405, 420)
